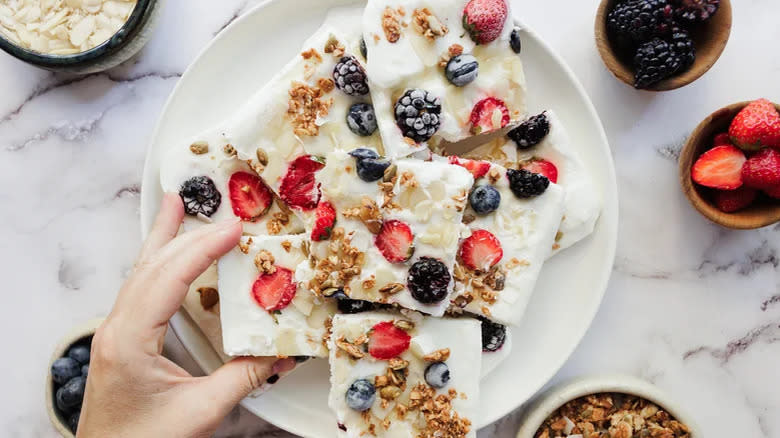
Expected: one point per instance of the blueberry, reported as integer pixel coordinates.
(79, 353)
(70, 395)
(437, 375)
(361, 395)
(485, 199)
(73, 421)
(85, 370)
(372, 169)
(361, 119)
(514, 41)
(462, 70)
(64, 369)
(350, 307)
(363, 153)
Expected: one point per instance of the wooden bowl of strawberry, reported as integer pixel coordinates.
(730, 166)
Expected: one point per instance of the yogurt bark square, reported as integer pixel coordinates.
(394, 234)
(404, 376)
(431, 80)
(513, 217)
(264, 311)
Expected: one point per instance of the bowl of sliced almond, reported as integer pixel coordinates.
(606, 406)
(76, 36)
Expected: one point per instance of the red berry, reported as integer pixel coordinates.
(721, 139)
(299, 188)
(477, 168)
(249, 196)
(543, 167)
(762, 170)
(386, 341)
(481, 251)
(275, 291)
(756, 126)
(488, 115)
(484, 19)
(720, 168)
(323, 224)
(774, 192)
(395, 241)
(729, 201)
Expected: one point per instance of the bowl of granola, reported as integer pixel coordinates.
(76, 36)
(614, 406)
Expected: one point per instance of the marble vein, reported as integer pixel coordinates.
(767, 333)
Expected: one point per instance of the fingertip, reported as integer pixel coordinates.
(283, 366)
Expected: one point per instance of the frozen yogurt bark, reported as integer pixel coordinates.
(404, 376)
(263, 309)
(513, 217)
(387, 230)
(434, 78)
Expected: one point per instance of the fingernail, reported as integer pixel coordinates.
(283, 366)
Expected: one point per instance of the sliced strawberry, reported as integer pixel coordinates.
(395, 241)
(722, 139)
(476, 167)
(249, 195)
(729, 201)
(481, 251)
(484, 19)
(323, 224)
(386, 341)
(299, 189)
(488, 115)
(543, 167)
(762, 170)
(756, 126)
(720, 168)
(774, 192)
(274, 291)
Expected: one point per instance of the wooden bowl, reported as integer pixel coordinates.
(78, 334)
(709, 39)
(765, 211)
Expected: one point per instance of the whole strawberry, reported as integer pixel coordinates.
(762, 170)
(484, 19)
(756, 126)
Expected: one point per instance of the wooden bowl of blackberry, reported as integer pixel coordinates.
(730, 166)
(661, 45)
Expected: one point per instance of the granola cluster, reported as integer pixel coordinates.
(427, 24)
(391, 23)
(481, 285)
(612, 415)
(209, 297)
(342, 263)
(442, 421)
(368, 213)
(306, 105)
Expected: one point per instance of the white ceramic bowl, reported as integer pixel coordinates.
(545, 404)
(76, 334)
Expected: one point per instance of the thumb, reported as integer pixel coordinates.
(233, 381)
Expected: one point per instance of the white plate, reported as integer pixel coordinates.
(243, 57)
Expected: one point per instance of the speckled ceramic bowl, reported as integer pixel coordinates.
(119, 48)
(78, 334)
(540, 408)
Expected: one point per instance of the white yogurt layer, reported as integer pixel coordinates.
(181, 164)
(428, 196)
(250, 330)
(526, 229)
(415, 61)
(584, 201)
(461, 336)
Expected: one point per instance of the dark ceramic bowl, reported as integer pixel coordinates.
(130, 38)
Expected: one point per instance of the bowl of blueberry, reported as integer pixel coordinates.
(661, 45)
(67, 379)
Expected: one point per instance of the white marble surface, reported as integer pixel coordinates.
(691, 307)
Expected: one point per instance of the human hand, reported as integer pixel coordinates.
(132, 390)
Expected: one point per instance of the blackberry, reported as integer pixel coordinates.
(655, 61)
(514, 41)
(493, 335)
(634, 22)
(682, 44)
(695, 11)
(361, 119)
(428, 280)
(350, 76)
(531, 132)
(200, 196)
(525, 184)
(351, 307)
(417, 114)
